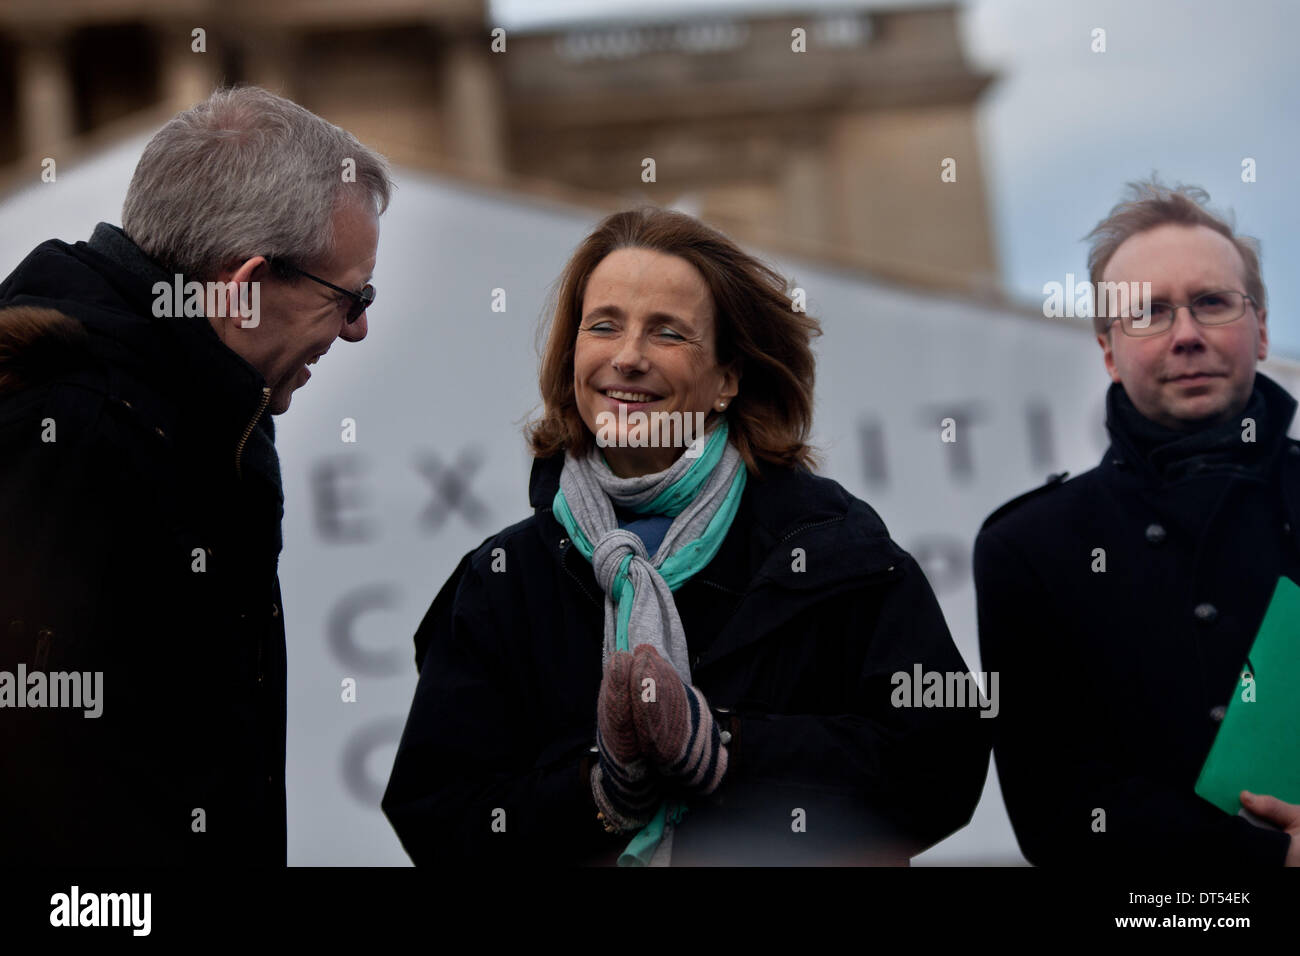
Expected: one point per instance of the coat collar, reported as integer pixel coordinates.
(1189, 499)
(181, 360)
(1217, 449)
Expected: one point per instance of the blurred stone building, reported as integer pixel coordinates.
(838, 149)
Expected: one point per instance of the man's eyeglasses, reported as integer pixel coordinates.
(1209, 308)
(360, 300)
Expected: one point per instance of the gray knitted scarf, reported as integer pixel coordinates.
(701, 493)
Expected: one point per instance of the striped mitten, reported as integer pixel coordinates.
(622, 782)
(676, 729)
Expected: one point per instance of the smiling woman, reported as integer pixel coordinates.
(686, 347)
(647, 344)
(683, 656)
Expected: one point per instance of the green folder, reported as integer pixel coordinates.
(1258, 744)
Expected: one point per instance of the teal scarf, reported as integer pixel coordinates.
(701, 495)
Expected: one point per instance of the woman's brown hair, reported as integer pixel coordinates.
(756, 325)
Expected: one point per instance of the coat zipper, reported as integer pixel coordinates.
(805, 527)
(42, 656)
(239, 450)
(564, 563)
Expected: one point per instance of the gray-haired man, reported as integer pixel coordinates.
(142, 655)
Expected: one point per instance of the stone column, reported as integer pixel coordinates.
(187, 77)
(473, 124)
(46, 102)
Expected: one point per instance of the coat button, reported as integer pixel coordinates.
(1155, 533)
(1206, 613)
(1216, 713)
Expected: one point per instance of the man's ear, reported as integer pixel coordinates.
(1108, 354)
(237, 279)
(1263, 335)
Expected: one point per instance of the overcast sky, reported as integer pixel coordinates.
(1186, 88)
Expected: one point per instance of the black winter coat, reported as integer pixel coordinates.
(1113, 683)
(510, 666)
(142, 542)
